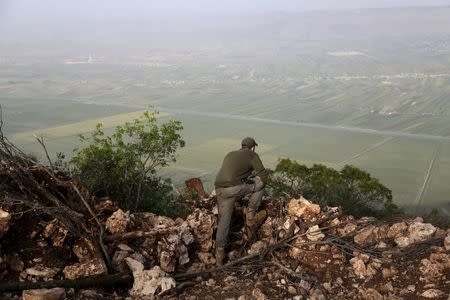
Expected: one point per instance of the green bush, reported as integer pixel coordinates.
(124, 165)
(355, 190)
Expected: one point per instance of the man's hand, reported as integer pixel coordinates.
(248, 181)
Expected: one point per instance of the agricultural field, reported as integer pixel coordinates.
(360, 94)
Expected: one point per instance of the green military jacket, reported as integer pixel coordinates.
(238, 165)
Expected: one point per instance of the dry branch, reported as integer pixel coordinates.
(138, 234)
(99, 281)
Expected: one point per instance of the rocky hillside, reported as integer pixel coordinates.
(59, 242)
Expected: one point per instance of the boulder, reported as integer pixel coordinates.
(256, 248)
(314, 234)
(366, 235)
(93, 267)
(397, 229)
(363, 267)
(56, 233)
(85, 250)
(118, 222)
(148, 282)
(434, 267)
(202, 223)
(419, 232)
(167, 260)
(433, 294)
(149, 221)
(91, 262)
(348, 228)
(266, 231)
(302, 208)
(171, 250)
(42, 272)
(371, 234)
(389, 272)
(44, 294)
(403, 241)
(5, 217)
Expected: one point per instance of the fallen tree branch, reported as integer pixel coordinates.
(98, 281)
(99, 224)
(304, 276)
(177, 288)
(40, 140)
(138, 234)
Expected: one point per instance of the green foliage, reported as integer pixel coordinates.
(353, 189)
(124, 165)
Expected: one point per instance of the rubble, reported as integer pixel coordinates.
(41, 272)
(435, 266)
(397, 229)
(90, 263)
(56, 233)
(362, 268)
(302, 208)
(118, 221)
(44, 294)
(419, 232)
(314, 234)
(371, 234)
(300, 252)
(148, 282)
(433, 294)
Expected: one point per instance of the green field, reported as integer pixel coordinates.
(400, 163)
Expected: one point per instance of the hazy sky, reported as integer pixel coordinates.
(36, 18)
(33, 10)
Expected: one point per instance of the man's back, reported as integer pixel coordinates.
(238, 165)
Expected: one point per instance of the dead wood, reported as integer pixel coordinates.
(177, 289)
(99, 281)
(138, 234)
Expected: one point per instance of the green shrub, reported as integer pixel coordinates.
(355, 190)
(124, 165)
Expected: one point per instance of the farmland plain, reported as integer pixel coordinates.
(373, 97)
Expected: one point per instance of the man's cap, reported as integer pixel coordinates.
(249, 142)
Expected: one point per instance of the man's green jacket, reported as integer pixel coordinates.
(238, 165)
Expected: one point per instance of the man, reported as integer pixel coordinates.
(233, 181)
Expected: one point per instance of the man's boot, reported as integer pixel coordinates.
(220, 255)
(253, 220)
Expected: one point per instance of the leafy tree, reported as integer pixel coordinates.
(355, 190)
(289, 177)
(124, 165)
